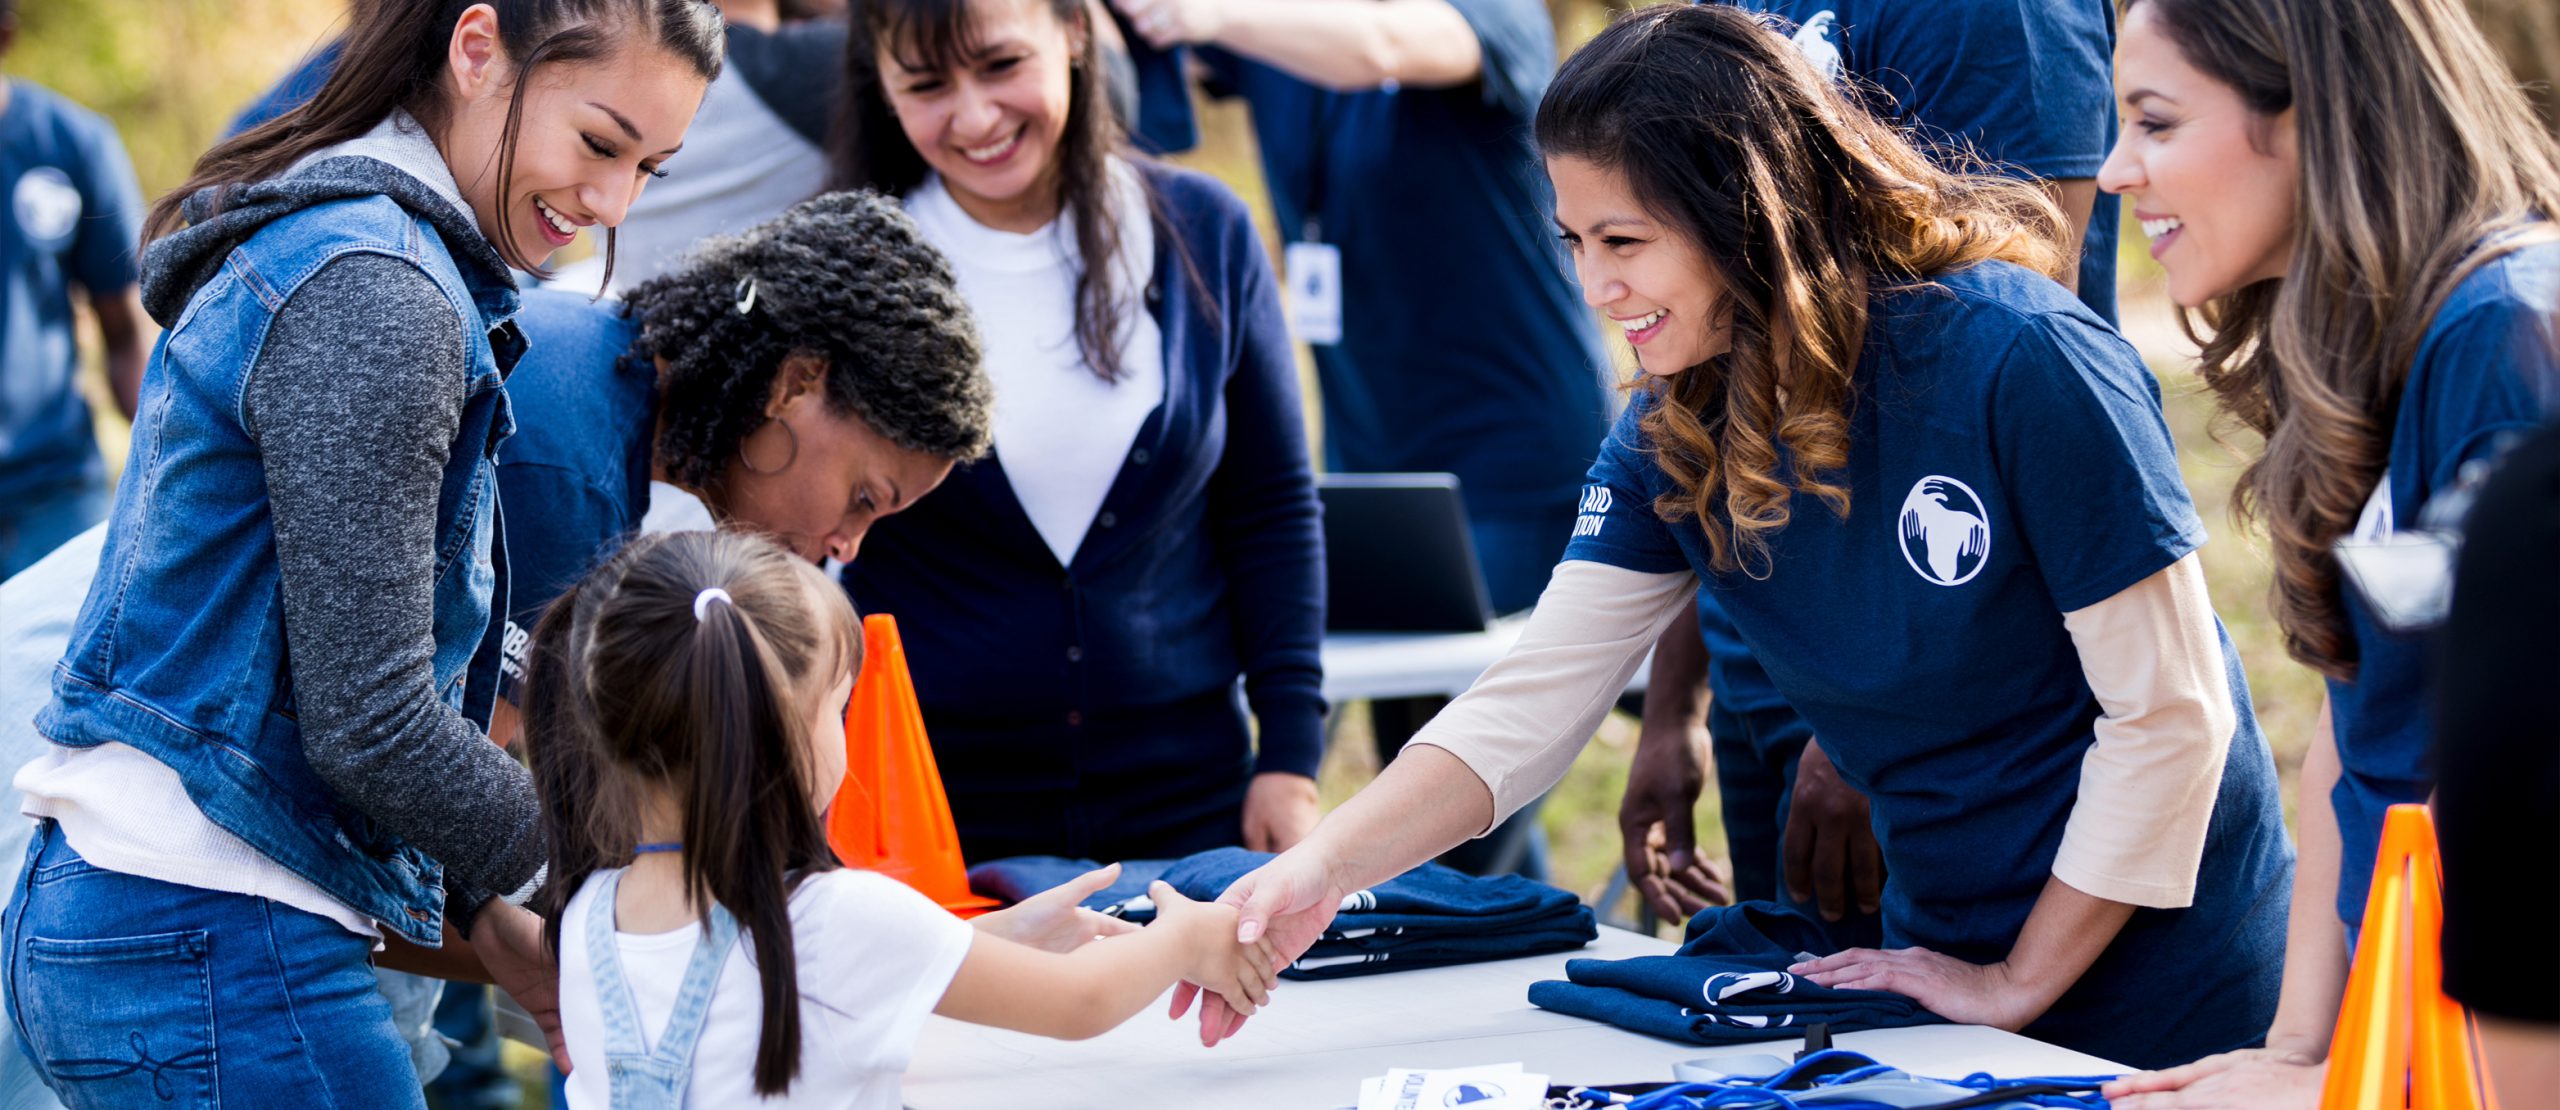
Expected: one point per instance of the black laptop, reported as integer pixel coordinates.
(1398, 556)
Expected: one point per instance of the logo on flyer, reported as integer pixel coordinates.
(1946, 535)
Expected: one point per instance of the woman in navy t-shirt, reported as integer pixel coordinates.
(1938, 498)
(2378, 273)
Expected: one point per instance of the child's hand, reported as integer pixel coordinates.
(1242, 974)
(1055, 920)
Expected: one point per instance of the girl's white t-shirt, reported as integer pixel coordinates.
(874, 955)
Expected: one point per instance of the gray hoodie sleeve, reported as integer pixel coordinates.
(354, 404)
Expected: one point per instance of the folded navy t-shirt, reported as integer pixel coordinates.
(1727, 983)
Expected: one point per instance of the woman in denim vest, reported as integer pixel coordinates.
(267, 740)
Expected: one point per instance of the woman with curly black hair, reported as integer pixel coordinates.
(805, 379)
(1080, 608)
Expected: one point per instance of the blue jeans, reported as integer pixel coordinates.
(43, 519)
(128, 991)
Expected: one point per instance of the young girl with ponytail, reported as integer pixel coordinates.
(683, 706)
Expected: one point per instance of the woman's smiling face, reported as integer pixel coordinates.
(1647, 277)
(590, 134)
(2213, 183)
(993, 125)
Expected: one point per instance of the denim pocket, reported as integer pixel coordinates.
(121, 1021)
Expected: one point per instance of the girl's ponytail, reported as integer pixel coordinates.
(748, 827)
(684, 666)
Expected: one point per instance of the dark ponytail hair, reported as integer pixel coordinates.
(629, 691)
(394, 59)
(872, 151)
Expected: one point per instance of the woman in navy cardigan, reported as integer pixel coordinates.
(1078, 607)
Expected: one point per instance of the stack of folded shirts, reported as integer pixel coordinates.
(1431, 916)
(1729, 983)
(1016, 878)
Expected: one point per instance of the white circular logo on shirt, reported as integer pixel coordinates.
(1946, 536)
(48, 206)
(1813, 40)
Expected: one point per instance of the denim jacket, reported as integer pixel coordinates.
(179, 649)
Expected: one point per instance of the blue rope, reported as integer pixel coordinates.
(1835, 1068)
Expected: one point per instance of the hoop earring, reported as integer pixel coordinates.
(787, 460)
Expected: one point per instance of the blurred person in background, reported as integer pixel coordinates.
(73, 221)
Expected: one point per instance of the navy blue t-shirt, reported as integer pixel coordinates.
(294, 90)
(2026, 85)
(2008, 464)
(2487, 373)
(74, 216)
(574, 479)
(1465, 346)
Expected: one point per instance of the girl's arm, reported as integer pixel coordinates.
(354, 403)
(1090, 991)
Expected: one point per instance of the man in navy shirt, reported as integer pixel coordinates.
(73, 217)
(1395, 138)
(1952, 71)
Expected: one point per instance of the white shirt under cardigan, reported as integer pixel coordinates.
(1061, 430)
(873, 959)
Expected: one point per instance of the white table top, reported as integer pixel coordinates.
(1414, 664)
(1311, 1048)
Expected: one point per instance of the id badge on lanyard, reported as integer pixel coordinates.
(1312, 271)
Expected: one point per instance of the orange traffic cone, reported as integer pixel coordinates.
(2400, 1042)
(891, 815)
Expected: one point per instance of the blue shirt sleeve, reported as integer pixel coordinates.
(1263, 514)
(101, 257)
(1518, 44)
(2029, 83)
(1615, 522)
(2487, 379)
(2086, 462)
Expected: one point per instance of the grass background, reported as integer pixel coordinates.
(170, 73)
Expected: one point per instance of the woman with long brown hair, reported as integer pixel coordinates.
(1938, 497)
(2352, 201)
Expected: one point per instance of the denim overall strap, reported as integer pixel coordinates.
(642, 1078)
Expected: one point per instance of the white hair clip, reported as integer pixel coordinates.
(702, 600)
(746, 294)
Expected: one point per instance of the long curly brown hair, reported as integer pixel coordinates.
(1806, 206)
(2433, 167)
